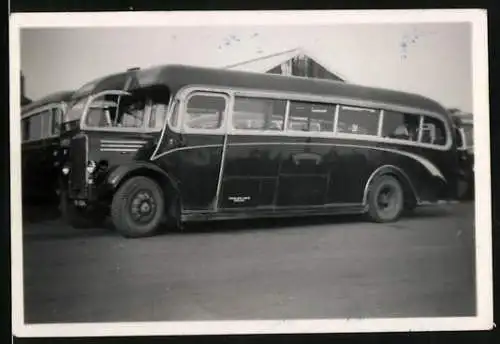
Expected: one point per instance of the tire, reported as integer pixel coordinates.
(80, 218)
(138, 207)
(385, 208)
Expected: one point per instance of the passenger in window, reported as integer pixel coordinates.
(132, 115)
(401, 132)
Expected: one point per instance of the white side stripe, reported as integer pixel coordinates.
(426, 163)
(114, 145)
(118, 149)
(123, 142)
(433, 169)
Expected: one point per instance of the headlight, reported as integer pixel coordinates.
(65, 170)
(91, 166)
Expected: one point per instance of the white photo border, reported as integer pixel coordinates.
(483, 223)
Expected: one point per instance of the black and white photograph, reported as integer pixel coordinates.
(250, 172)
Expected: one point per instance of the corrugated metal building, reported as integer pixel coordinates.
(296, 62)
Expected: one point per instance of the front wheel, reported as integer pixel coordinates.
(138, 207)
(385, 199)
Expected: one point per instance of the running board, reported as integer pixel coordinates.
(194, 216)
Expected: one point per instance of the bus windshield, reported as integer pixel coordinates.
(112, 110)
(119, 111)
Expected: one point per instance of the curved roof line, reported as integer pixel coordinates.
(176, 76)
(55, 97)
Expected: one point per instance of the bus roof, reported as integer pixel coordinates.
(460, 117)
(56, 97)
(177, 76)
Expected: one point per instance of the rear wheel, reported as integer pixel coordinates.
(138, 207)
(385, 199)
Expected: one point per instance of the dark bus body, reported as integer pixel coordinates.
(464, 125)
(228, 144)
(40, 129)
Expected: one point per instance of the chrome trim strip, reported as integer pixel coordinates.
(336, 118)
(116, 149)
(122, 141)
(227, 121)
(171, 106)
(185, 148)
(425, 162)
(380, 122)
(286, 119)
(120, 146)
(420, 127)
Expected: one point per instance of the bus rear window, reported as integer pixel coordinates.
(433, 131)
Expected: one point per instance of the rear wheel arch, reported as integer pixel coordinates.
(410, 195)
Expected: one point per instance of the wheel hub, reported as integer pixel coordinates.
(142, 206)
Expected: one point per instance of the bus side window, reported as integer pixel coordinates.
(258, 114)
(357, 120)
(400, 126)
(433, 131)
(205, 112)
(314, 117)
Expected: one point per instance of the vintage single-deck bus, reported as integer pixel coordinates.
(40, 126)
(465, 145)
(166, 145)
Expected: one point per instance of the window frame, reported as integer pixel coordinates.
(448, 137)
(309, 132)
(225, 114)
(233, 130)
(395, 139)
(39, 112)
(347, 135)
(120, 93)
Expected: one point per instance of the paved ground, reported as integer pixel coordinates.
(422, 266)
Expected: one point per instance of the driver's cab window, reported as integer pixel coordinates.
(158, 115)
(116, 111)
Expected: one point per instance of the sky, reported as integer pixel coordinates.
(434, 60)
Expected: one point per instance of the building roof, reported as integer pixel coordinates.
(267, 62)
